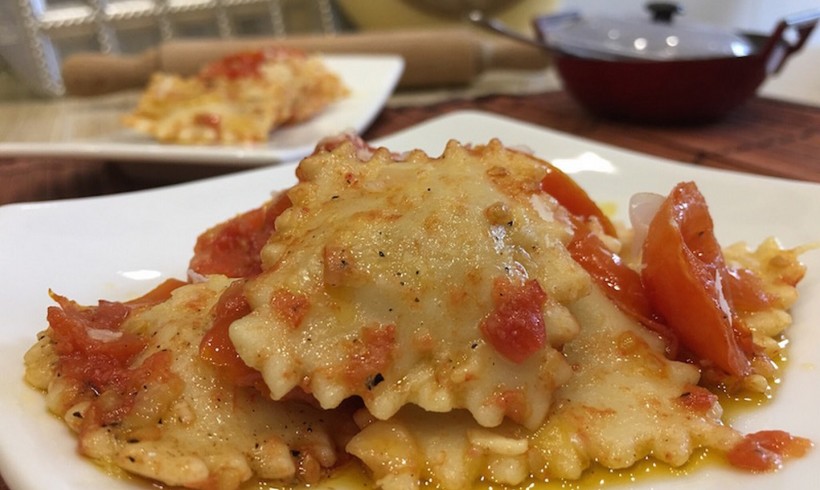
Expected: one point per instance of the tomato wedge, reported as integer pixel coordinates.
(747, 290)
(620, 283)
(570, 195)
(685, 277)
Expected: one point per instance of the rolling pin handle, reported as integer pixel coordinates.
(93, 74)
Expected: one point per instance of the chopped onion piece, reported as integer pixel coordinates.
(643, 207)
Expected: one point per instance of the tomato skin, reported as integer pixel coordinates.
(515, 328)
(157, 295)
(232, 248)
(570, 195)
(685, 279)
(747, 291)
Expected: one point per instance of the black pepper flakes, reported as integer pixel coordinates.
(374, 381)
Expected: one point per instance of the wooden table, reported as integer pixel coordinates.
(766, 136)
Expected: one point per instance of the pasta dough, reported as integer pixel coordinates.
(383, 273)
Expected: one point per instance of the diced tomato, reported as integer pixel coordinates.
(699, 399)
(685, 277)
(515, 328)
(216, 347)
(97, 355)
(765, 451)
(232, 248)
(570, 195)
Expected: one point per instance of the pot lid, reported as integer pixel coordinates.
(660, 36)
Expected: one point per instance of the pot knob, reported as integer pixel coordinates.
(663, 12)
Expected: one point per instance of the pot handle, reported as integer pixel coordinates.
(498, 27)
(778, 48)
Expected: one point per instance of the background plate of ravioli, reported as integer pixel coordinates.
(371, 80)
(118, 247)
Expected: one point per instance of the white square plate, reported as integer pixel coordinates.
(370, 78)
(118, 247)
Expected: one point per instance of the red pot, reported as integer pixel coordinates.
(667, 86)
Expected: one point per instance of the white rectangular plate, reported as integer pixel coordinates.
(370, 78)
(119, 247)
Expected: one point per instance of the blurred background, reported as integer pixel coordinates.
(36, 35)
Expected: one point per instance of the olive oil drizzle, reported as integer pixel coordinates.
(644, 472)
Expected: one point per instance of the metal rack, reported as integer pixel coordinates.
(35, 35)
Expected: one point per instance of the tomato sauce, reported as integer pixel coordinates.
(233, 67)
(216, 347)
(233, 248)
(97, 356)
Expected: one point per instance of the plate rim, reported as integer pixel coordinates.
(18, 481)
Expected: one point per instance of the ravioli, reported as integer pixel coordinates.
(187, 425)
(441, 321)
(626, 401)
(393, 281)
(236, 100)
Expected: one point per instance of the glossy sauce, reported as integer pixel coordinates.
(596, 477)
(643, 473)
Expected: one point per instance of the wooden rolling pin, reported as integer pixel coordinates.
(433, 57)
